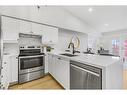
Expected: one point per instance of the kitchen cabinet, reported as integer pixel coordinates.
(10, 29)
(14, 68)
(49, 35)
(46, 63)
(62, 71)
(37, 28)
(25, 27)
(31, 28)
(59, 68)
(51, 66)
(5, 73)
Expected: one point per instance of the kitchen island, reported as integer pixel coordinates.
(112, 68)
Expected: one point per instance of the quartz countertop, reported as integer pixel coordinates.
(90, 59)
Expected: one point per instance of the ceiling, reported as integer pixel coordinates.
(102, 18)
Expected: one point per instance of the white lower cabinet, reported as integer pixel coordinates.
(59, 68)
(5, 73)
(65, 73)
(9, 72)
(14, 69)
(51, 65)
(46, 63)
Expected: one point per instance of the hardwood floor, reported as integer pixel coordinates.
(125, 79)
(47, 82)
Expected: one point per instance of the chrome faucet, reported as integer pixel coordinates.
(71, 44)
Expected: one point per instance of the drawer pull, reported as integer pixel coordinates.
(59, 58)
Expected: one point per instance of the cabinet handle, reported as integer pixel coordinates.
(59, 58)
(50, 41)
(1, 85)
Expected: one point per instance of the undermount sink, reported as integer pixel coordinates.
(69, 55)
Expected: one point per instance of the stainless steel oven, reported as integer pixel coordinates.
(31, 64)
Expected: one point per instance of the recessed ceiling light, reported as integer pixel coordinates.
(90, 9)
(106, 25)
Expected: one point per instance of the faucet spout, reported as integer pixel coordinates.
(72, 44)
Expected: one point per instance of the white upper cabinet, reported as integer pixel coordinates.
(37, 28)
(50, 35)
(10, 29)
(30, 28)
(25, 27)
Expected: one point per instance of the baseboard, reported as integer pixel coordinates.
(13, 83)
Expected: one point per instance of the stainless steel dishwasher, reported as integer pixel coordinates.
(84, 76)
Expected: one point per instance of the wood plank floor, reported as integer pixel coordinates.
(47, 82)
(125, 79)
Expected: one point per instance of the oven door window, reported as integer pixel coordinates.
(27, 63)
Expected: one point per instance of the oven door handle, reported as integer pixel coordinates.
(31, 56)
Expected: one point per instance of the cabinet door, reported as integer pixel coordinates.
(5, 78)
(14, 69)
(10, 28)
(53, 66)
(10, 10)
(64, 72)
(50, 64)
(37, 28)
(25, 27)
(50, 35)
(46, 63)
(57, 68)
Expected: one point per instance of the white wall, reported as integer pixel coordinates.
(65, 37)
(51, 15)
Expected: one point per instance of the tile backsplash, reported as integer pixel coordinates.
(30, 41)
(64, 37)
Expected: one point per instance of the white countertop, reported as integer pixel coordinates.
(90, 59)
